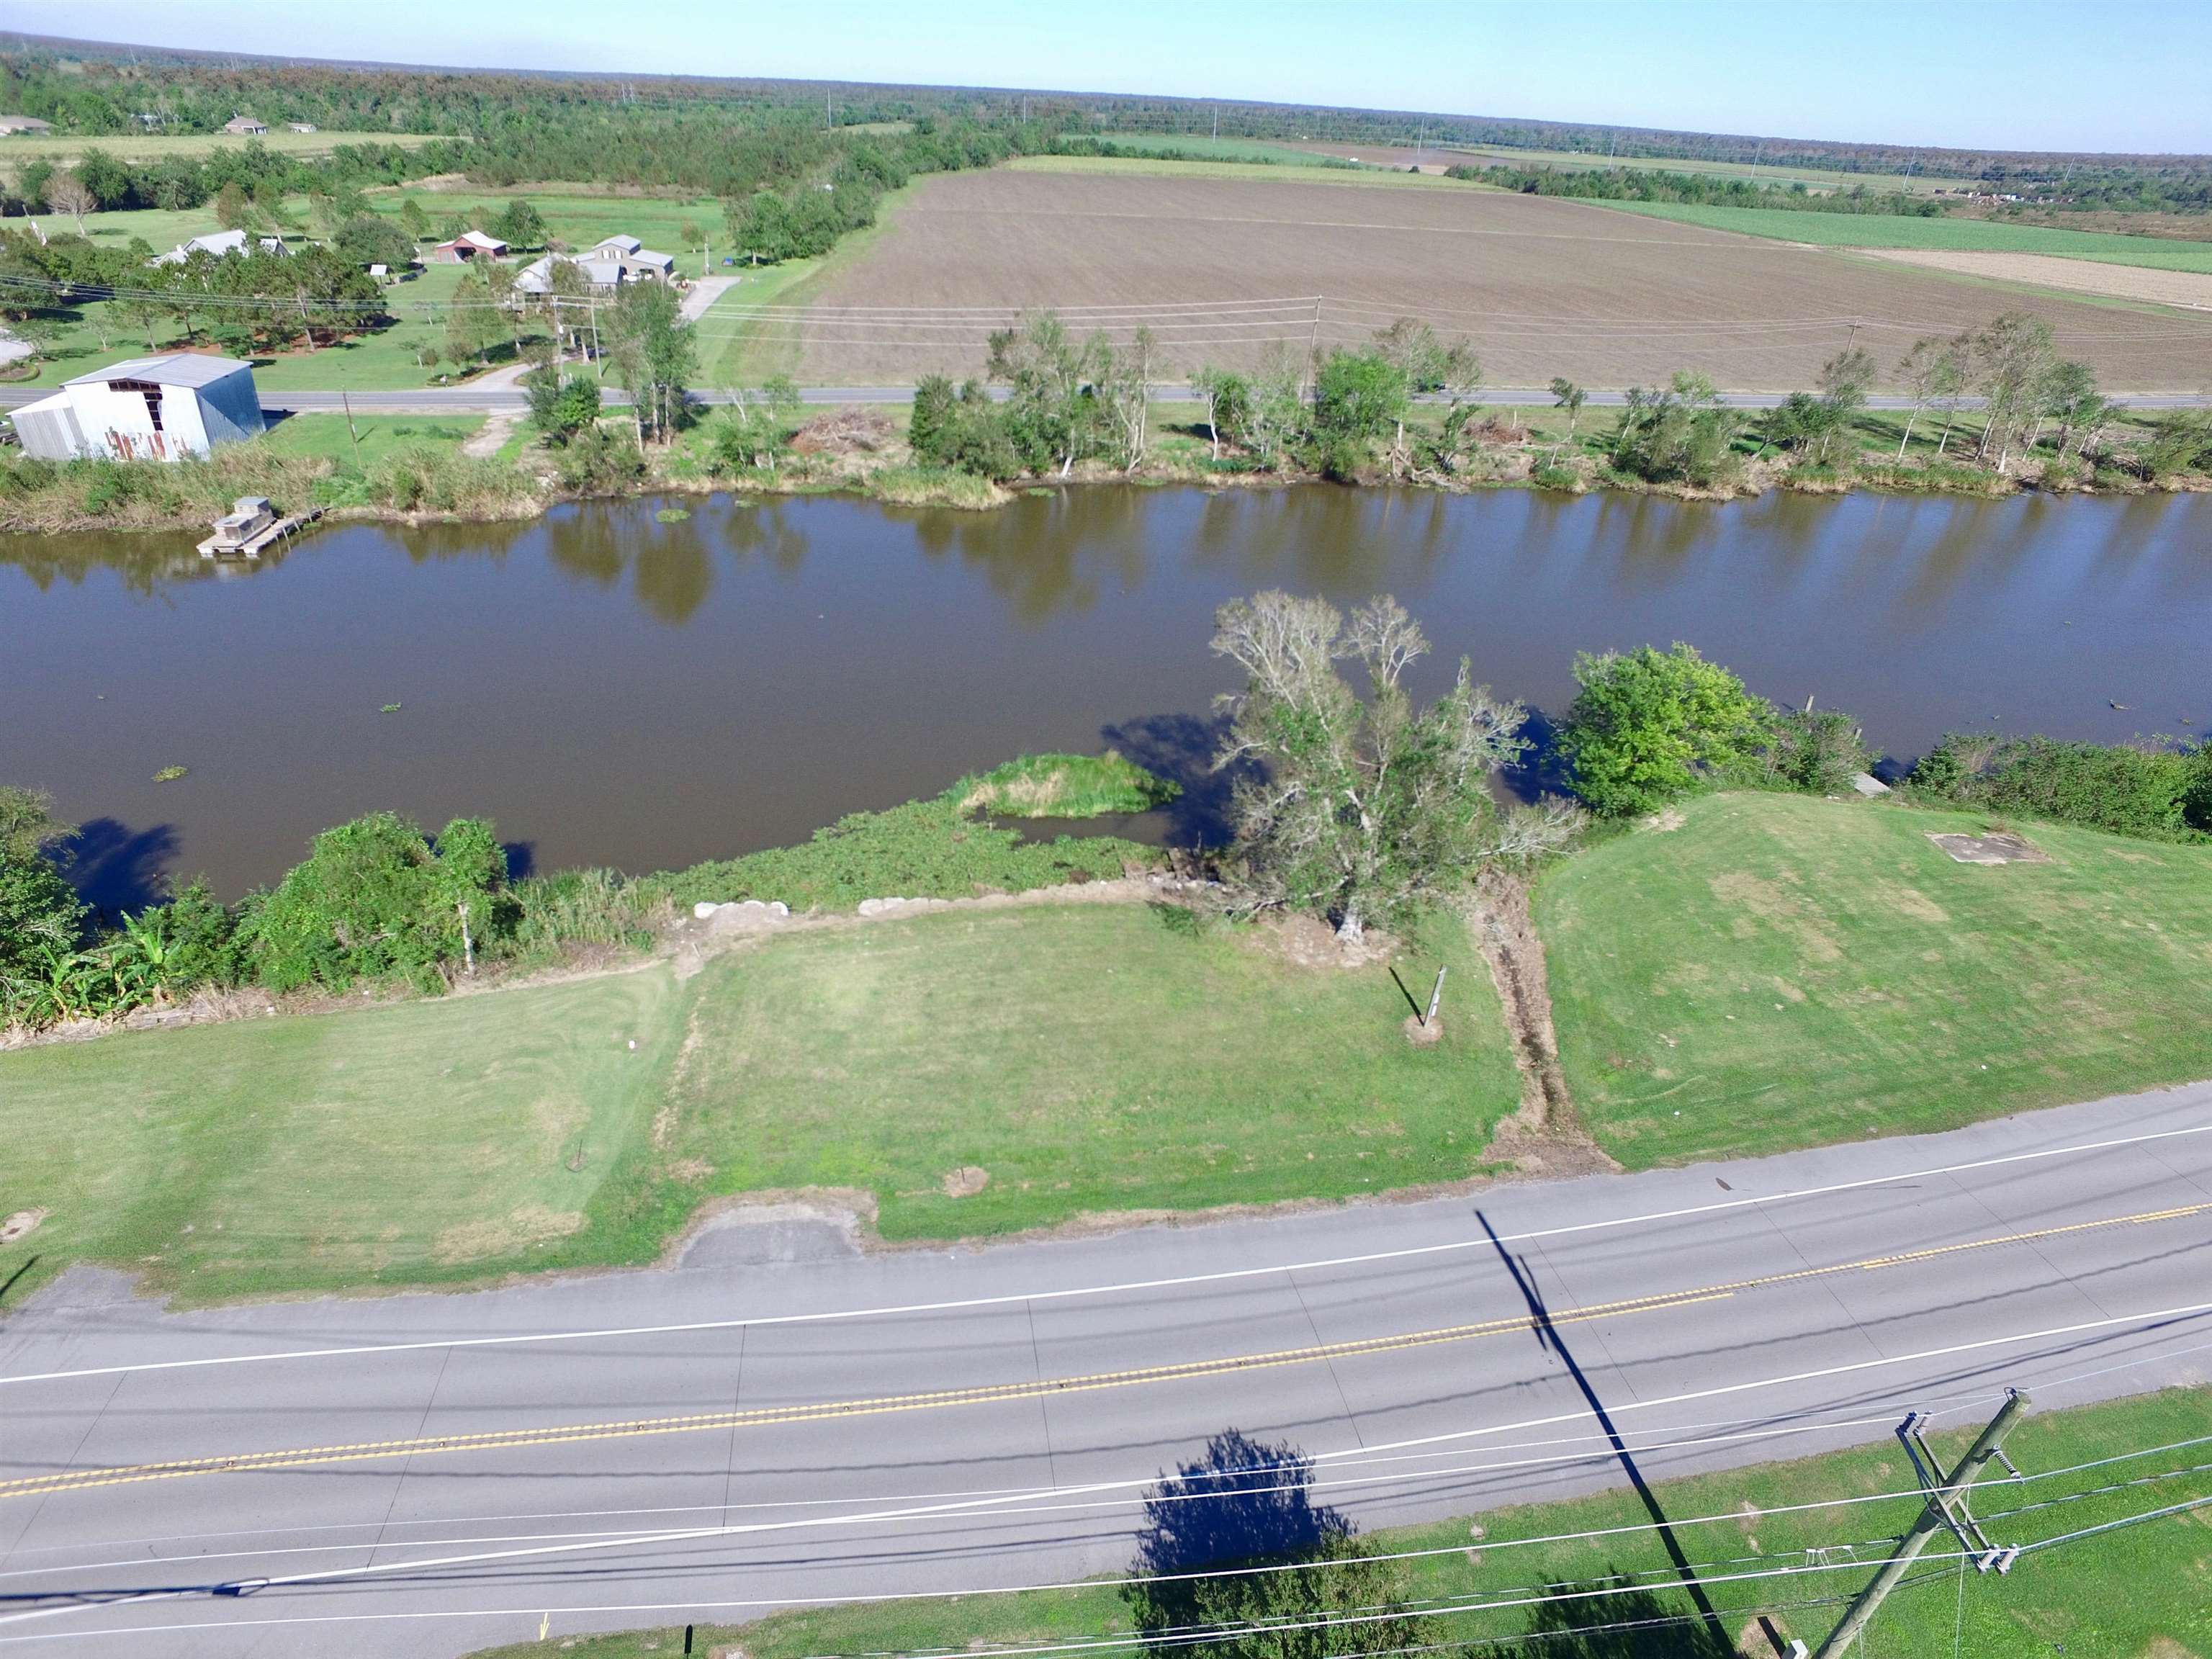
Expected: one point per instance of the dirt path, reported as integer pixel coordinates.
(1544, 1137)
(496, 430)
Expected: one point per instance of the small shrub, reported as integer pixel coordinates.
(1819, 753)
(2153, 791)
(923, 849)
(375, 898)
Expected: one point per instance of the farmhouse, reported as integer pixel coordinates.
(244, 124)
(222, 242)
(161, 408)
(24, 123)
(469, 244)
(614, 261)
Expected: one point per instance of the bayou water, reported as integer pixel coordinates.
(617, 689)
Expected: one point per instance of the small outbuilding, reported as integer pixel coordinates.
(163, 409)
(469, 244)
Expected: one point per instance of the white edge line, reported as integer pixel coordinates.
(965, 1304)
(330, 1575)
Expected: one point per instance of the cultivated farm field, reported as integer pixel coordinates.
(1221, 268)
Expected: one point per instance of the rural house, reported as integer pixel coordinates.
(24, 123)
(612, 262)
(163, 408)
(222, 242)
(244, 124)
(469, 244)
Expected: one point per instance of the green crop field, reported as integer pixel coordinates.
(1820, 178)
(1951, 235)
(1208, 148)
(1364, 177)
(2135, 1593)
(1783, 972)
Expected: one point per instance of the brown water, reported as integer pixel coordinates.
(613, 690)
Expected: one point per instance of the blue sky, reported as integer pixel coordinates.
(2136, 75)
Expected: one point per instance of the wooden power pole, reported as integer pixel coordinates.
(1946, 1510)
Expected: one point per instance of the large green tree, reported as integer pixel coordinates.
(1360, 809)
(1649, 725)
(650, 347)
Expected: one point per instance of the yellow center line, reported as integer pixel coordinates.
(1189, 1370)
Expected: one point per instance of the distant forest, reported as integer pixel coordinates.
(734, 137)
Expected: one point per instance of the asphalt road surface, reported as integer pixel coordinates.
(782, 1418)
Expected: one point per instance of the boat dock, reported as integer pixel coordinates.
(230, 545)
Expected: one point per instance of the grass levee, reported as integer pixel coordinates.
(1785, 971)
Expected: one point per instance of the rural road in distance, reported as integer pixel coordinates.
(471, 400)
(781, 1417)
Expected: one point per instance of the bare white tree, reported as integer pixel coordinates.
(1363, 809)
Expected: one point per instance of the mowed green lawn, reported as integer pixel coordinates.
(2137, 1593)
(1087, 1057)
(1784, 971)
(379, 435)
(413, 1143)
(1905, 230)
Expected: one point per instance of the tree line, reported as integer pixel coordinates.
(1637, 185)
(1349, 413)
(695, 130)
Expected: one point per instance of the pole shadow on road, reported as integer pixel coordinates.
(1547, 1335)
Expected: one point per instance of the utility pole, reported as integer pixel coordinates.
(346, 399)
(1946, 1510)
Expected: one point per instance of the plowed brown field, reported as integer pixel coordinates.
(1219, 267)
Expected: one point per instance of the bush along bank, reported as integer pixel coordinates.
(379, 906)
(1990, 413)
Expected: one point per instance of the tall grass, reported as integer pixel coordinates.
(42, 496)
(1065, 786)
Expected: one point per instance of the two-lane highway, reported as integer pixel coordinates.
(782, 1419)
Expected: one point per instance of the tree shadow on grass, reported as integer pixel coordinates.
(1605, 1619)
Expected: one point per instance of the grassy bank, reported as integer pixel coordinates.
(1092, 1058)
(410, 1144)
(1949, 234)
(1085, 1057)
(1783, 972)
(2124, 1594)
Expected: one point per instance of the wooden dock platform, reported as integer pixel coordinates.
(251, 547)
